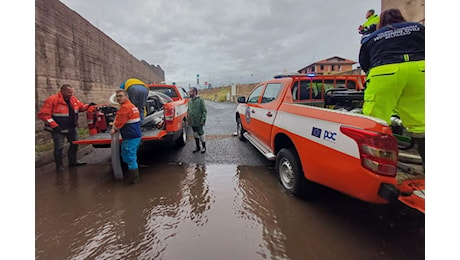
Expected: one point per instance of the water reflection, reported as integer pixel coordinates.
(194, 211)
(328, 225)
(82, 217)
(258, 198)
(198, 193)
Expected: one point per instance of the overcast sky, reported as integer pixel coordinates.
(230, 40)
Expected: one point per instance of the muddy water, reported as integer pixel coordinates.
(214, 211)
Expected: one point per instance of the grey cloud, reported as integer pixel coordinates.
(227, 41)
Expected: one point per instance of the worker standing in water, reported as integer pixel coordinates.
(127, 122)
(60, 114)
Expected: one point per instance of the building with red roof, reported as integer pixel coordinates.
(328, 66)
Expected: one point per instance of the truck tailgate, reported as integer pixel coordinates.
(105, 138)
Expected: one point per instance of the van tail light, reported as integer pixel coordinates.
(378, 152)
(169, 113)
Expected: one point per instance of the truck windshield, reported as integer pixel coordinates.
(171, 92)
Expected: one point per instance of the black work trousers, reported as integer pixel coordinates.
(59, 139)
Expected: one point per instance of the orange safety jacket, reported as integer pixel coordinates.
(128, 121)
(55, 112)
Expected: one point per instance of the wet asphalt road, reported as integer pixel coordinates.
(224, 204)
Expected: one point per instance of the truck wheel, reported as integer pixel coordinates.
(181, 141)
(240, 130)
(289, 171)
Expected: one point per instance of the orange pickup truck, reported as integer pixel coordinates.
(312, 126)
(164, 119)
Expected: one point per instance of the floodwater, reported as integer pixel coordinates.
(210, 211)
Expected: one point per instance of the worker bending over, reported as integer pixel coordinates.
(394, 59)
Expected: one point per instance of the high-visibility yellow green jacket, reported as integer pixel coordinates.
(370, 25)
(131, 82)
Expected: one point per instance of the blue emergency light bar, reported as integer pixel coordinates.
(294, 75)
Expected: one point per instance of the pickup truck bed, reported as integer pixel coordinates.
(164, 121)
(105, 138)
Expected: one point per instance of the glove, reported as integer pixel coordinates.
(91, 104)
(57, 129)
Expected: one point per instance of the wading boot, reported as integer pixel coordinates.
(58, 162)
(75, 164)
(133, 176)
(203, 149)
(72, 155)
(59, 168)
(197, 142)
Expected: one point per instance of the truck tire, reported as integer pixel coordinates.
(289, 171)
(240, 130)
(182, 140)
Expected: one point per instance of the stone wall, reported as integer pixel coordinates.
(68, 49)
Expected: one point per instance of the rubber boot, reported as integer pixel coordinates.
(76, 163)
(59, 164)
(421, 148)
(132, 176)
(59, 167)
(197, 142)
(203, 148)
(72, 156)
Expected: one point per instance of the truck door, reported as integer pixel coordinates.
(263, 113)
(252, 104)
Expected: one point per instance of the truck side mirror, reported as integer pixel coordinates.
(241, 99)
